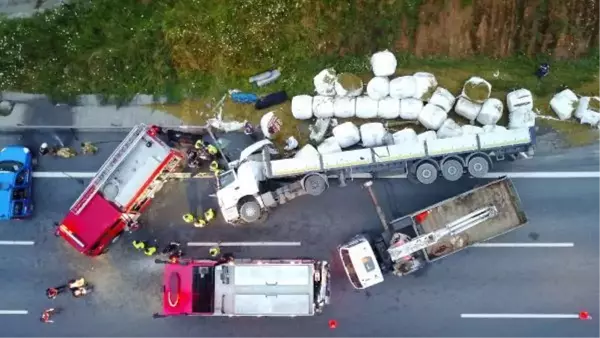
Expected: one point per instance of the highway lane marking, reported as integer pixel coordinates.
(520, 315)
(17, 242)
(523, 245)
(13, 312)
(533, 174)
(244, 244)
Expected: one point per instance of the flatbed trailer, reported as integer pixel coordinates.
(410, 242)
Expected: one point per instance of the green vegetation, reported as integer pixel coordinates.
(193, 51)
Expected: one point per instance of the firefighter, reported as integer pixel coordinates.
(214, 251)
(212, 149)
(44, 149)
(214, 167)
(199, 144)
(209, 215)
(139, 245)
(88, 148)
(66, 152)
(188, 218)
(200, 223)
(150, 250)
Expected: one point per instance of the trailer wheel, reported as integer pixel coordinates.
(452, 170)
(478, 166)
(426, 173)
(315, 185)
(250, 211)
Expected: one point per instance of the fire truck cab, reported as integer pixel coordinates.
(119, 192)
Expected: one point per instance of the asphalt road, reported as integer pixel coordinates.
(478, 280)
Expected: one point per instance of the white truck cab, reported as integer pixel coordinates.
(360, 263)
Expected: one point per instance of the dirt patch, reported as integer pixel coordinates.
(501, 28)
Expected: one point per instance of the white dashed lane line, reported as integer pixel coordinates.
(26, 243)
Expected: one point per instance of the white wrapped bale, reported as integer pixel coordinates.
(378, 88)
(520, 98)
(302, 107)
(366, 107)
(467, 109)
(344, 107)
(425, 85)
(443, 99)
(410, 108)
(308, 151)
(521, 118)
(373, 134)
(427, 136)
(407, 135)
(383, 63)
(491, 112)
(582, 107)
(449, 129)
(476, 90)
(347, 84)
(325, 82)
(590, 117)
(471, 130)
(564, 104)
(322, 107)
(493, 129)
(329, 146)
(403, 87)
(388, 108)
(346, 134)
(432, 116)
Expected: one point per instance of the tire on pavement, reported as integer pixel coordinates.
(250, 211)
(426, 173)
(478, 166)
(315, 185)
(452, 170)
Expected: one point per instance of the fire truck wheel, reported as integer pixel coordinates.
(250, 211)
(478, 166)
(452, 170)
(315, 185)
(426, 173)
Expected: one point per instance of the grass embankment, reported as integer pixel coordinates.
(194, 51)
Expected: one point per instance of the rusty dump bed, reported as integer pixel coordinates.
(500, 193)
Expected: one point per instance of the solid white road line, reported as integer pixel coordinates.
(519, 315)
(526, 174)
(17, 242)
(524, 245)
(63, 174)
(13, 312)
(244, 244)
(536, 174)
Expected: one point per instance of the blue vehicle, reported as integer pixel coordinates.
(16, 169)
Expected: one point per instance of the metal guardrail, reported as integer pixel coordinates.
(91, 128)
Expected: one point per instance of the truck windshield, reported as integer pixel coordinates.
(350, 268)
(226, 179)
(10, 166)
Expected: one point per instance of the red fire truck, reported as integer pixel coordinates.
(119, 192)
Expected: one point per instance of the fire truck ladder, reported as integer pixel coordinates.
(453, 228)
(109, 167)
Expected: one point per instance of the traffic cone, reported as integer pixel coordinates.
(584, 315)
(332, 324)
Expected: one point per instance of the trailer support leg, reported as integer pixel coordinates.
(342, 178)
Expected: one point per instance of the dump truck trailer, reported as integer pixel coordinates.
(410, 242)
(246, 194)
